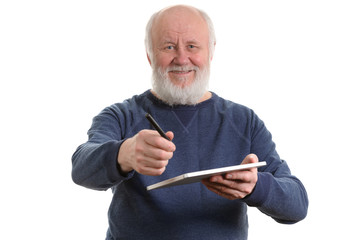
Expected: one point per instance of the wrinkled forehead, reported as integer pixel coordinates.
(182, 21)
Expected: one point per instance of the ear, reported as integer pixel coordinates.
(150, 62)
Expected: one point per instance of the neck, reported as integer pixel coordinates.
(205, 97)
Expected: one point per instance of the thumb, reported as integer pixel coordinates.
(170, 135)
(250, 158)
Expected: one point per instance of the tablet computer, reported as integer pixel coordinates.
(193, 177)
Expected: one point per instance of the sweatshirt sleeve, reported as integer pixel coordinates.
(278, 193)
(94, 163)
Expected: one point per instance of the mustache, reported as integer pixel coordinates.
(182, 68)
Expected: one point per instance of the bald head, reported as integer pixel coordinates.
(179, 9)
(179, 14)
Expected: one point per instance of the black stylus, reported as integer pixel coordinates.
(156, 126)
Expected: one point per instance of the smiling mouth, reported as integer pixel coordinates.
(181, 72)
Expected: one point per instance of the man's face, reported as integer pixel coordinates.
(180, 46)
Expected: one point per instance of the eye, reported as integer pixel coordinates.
(191, 46)
(169, 47)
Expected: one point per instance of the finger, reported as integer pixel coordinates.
(157, 153)
(150, 171)
(149, 166)
(170, 135)
(151, 163)
(223, 191)
(236, 188)
(220, 193)
(241, 176)
(219, 183)
(250, 158)
(158, 141)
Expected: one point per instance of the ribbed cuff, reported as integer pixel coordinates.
(261, 191)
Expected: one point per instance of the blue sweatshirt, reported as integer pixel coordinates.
(215, 133)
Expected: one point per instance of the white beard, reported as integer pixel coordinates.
(176, 95)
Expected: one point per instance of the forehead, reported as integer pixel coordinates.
(182, 23)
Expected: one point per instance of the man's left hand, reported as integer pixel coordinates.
(234, 185)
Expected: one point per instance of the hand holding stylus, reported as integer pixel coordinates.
(147, 152)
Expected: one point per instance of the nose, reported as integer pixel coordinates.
(181, 57)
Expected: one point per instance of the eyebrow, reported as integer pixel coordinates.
(195, 42)
(167, 42)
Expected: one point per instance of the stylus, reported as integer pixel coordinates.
(156, 126)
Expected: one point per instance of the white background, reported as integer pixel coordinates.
(296, 63)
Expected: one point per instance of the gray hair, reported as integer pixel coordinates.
(148, 34)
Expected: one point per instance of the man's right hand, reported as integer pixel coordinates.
(146, 152)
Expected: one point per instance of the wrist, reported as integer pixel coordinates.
(123, 165)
